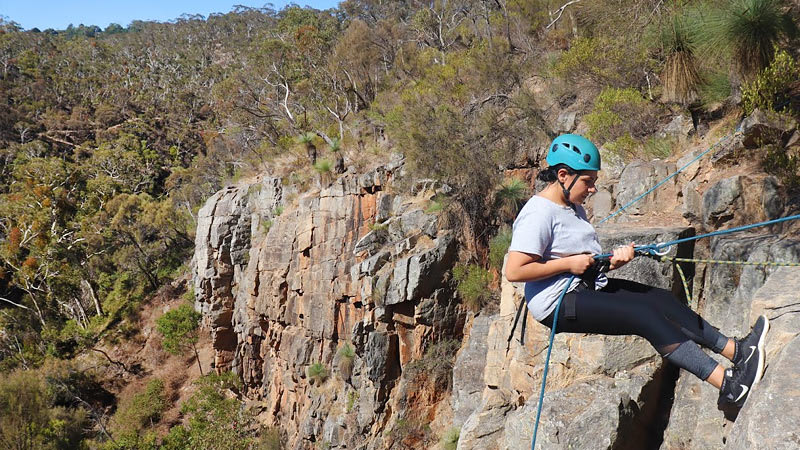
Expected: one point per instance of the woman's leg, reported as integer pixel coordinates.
(690, 323)
(625, 312)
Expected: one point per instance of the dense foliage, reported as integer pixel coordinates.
(110, 140)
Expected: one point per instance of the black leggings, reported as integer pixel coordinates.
(629, 308)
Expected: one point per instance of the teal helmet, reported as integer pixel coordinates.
(575, 151)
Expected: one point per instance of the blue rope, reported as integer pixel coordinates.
(547, 359)
(653, 248)
(641, 196)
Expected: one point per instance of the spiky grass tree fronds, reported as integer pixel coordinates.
(748, 29)
(680, 76)
(335, 144)
(511, 196)
(306, 138)
(755, 26)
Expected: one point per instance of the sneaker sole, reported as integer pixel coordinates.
(761, 356)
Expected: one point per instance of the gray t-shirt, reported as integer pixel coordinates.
(552, 231)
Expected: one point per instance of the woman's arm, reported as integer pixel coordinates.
(527, 267)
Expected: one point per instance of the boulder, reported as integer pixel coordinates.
(721, 201)
(639, 176)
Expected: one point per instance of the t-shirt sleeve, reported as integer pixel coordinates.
(533, 233)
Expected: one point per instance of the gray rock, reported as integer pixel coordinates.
(602, 204)
(381, 357)
(761, 128)
(721, 201)
(566, 121)
(680, 126)
(690, 164)
(384, 208)
(637, 178)
(770, 416)
(468, 381)
(596, 414)
(692, 207)
(729, 148)
(771, 198)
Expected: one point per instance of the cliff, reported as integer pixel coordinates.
(286, 281)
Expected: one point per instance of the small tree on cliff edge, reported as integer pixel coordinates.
(179, 327)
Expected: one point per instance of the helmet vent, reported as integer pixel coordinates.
(587, 157)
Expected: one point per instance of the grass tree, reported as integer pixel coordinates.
(307, 139)
(680, 76)
(511, 195)
(749, 29)
(336, 147)
(179, 329)
(323, 168)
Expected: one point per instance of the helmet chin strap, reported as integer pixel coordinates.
(565, 191)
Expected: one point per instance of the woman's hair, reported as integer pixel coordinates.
(550, 174)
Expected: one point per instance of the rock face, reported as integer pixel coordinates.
(731, 302)
(284, 285)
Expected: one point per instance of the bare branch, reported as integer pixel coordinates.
(560, 12)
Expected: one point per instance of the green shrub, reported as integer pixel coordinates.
(620, 118)
(785, 166)
(352, 398)
(179, 328)
(435, 369)
(498, 247)
(29, 417)
(215, 418)
(347, 355)
(511, 196)
(473, 284)
(771, 90)
(659, 147)
(317, 372)
(450, 439)
(715, 88)
(323, 166)
(602, 60)
(135, 416)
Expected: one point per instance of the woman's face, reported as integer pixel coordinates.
(583, 187)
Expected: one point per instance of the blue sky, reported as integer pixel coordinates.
(58, 14)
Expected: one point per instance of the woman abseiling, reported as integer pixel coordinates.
(553, 239)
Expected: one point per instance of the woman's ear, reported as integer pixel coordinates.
(562, 174)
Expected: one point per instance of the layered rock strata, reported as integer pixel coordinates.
(284, 284)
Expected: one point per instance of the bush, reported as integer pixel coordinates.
(317, 372)
(773, 87)
(601, 60)
(785, 166)
(473, 284)
(142, 410)
(435, 368)
(450, 439)
(498, 247)
(29, 417)
(511, 196)
(179, 330)
(347, 355)
(619, 118)
(216, 418)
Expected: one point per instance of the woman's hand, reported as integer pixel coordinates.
(621, 256)
(578, 264)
